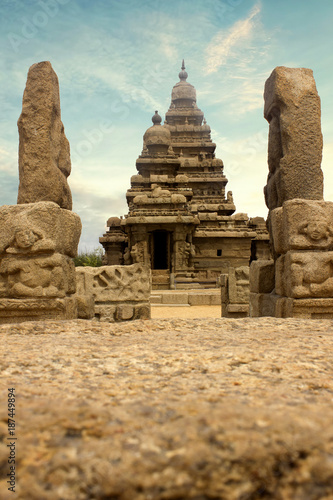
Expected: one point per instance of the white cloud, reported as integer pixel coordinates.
(220, 48)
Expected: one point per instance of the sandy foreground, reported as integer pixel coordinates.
(176, 408)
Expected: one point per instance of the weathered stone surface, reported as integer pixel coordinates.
(37, 242)
(262, 276)
(44, 157)
(305, 274)
(239, 285)
(299, 221)
(321, 308)
(45, 223)
(204, 297)
(39, 308)
(114, 283)
(235, 291)
(249, 414)
(292, 108)
(120, 292)
(85, 306)
(265, 304)
(302, 225)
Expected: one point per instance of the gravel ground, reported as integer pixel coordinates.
(207, 408)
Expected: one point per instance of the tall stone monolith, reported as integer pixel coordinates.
(39, 236)
(299, 282)
(292, 108)
(44, 156)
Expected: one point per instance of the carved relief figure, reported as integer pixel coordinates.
(27, 272)
(230, 198)
(127, 257)
(314, 233)
(312, 274)
(29, 240)
(137, 253)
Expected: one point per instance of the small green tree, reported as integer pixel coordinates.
(92, 259)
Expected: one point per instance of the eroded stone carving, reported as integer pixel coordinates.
(235, 291)
(120, 292)
(292, 108)
(39, 236)
(305, 274)
(302, 225)
(33, 262)
(300, 222)
(44, 157)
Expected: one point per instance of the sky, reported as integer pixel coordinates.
(117, 61)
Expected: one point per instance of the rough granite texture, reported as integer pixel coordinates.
(44, 153)
(295, 142)
(232, 409)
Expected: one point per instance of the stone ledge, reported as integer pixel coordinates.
(18, 310)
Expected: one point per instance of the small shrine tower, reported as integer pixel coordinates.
(180, 220)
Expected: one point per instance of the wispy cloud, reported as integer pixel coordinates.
(222, 44)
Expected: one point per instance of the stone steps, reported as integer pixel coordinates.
(186, 297)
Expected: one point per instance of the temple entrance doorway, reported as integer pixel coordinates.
(160, 250)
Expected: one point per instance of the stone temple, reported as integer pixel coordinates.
(181, 220)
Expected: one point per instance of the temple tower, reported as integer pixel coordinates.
(180, 220)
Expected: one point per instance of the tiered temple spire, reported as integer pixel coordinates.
(180, 219)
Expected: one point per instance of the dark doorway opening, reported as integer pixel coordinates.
(161, 244)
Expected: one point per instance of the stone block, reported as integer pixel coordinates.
(292, 108)
(37, 243)
(321, 308)
(124, 312)
(142, 311)
(204, 299)
(237, 310)
(85, 306)
(238, 285)
(115, 283)
(302, 225)
(175, 298)
(242, 293)
(155, 299)
(223, 282)
(121, 293)
(105, 312)
(37, 309)
(306, 274)
(40, 227)
(280, 283)
(262, 276)
(263, 304)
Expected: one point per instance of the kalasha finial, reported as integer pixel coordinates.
(183, 74)
(156, 119)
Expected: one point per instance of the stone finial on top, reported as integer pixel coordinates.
(183, 74)
(156, 119)
(44, 155)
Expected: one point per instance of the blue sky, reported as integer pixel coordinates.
(117, 62)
